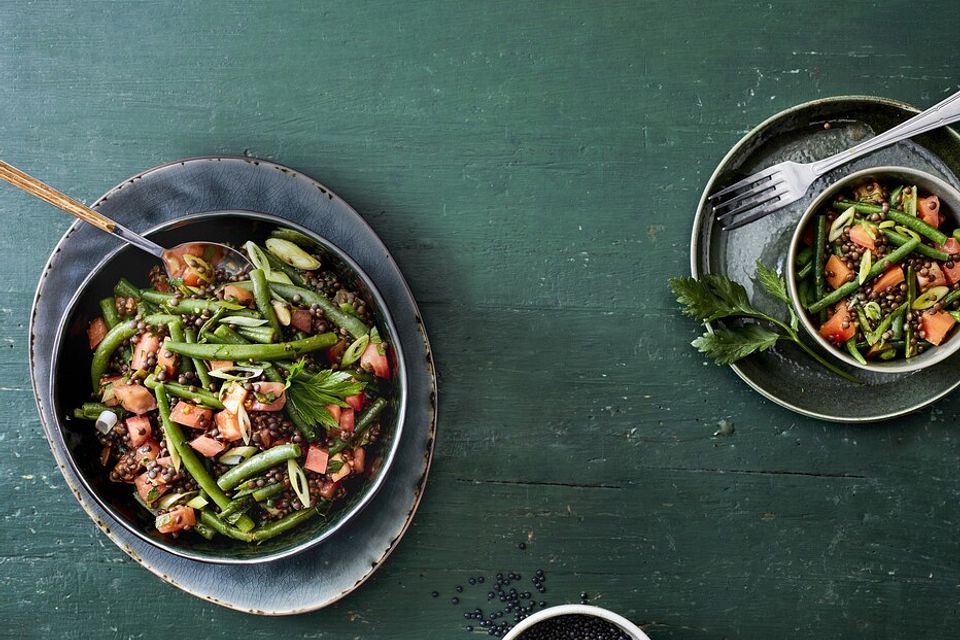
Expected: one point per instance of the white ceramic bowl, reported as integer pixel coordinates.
(949, 205)
(628, 627)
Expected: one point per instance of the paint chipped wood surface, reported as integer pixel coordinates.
(535, 171)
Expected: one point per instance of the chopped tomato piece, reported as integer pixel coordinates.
(837, 272)
(147, 452)
(191, 278)
(951, 274)
(228, 425)
(834, 329)
(96, 331)
(190, 415)
(935, 326)
(207, 446)
(268, 396)
(346, 420)
(890, 278)
(934, 277)
(165, 461)
(928, 210)
(335, 353)
(302, 320)
(861, 237)
(168, 362)
(355, 402)
(359, 458)
(951, 246)
(149, 343)
(107, 396)
(334, 410)
(139, 429)
(149, 488)
(219, 364)
(134, 398)
(316, 459)
(374, 359)
(329, 489)
(234, 397)
(240, 295)
(178, 518)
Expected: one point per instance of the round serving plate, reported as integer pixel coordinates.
(322, 575)
(805, 133)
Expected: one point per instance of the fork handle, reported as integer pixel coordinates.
(939, 115)
(45, 192)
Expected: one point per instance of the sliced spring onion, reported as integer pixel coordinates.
(282, 310)
(200, 267)
(888, 354)
(930, 297)
(907, 232)
(106, 421)
(292, 254)
(298, 482)
(232, 396)
(243, 321)
(887, 224)
(257, 256)
(197, 502)
(375, 336)
(237, 372)
(910, 201)
(871, 229)
(243, 419)
(873, 310)
(170, 499)
(279, 276)
(866, 262)
(355, 350)
(236, 455)
(843, 220)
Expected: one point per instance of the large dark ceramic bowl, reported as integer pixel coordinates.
(69, 388)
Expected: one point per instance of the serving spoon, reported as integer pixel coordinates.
(176, 261)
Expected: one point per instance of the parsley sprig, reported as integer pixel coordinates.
(715, 297)
(309, 393)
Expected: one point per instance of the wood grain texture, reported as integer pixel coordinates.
(534, 169)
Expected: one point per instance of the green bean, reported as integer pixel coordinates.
(190, 305)
(911, 297)
(805, 271)
(229, 336)
(878, 267)
(207, 532)
(950, 298)
(334, 314)
(895, 196)
(956, 234)
(897, 327)
(260, 534)
(899, 240)
(804, 257)
(236, 508)
(126, 289)
(267, 492)
(110, 343)
(273, 375)
(852, 348)
(175, 327)
(875, 336)
(145, 308)
(200, 396)
(108, 309)
(263, 335)
(191, 462)
(160, 319)
(910, 222)
(257, 463)
(279, 265)
(190, 335)
(261, 295)
(92, 411)
(265, 352)
(369, 415)
(820, 261)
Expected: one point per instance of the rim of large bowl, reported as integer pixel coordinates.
(894, 366)
(556, 611)
(369, 490)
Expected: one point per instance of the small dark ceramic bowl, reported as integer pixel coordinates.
(69, 387)
(949, 205)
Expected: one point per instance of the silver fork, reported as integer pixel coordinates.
(775, 187)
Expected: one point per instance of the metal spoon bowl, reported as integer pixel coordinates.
(179, 261)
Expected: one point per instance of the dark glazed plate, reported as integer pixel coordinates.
(72, 354)
(784, 374)
(321, 575)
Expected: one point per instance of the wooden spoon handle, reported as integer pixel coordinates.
(47, 193)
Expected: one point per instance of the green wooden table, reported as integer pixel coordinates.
(534, 169)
